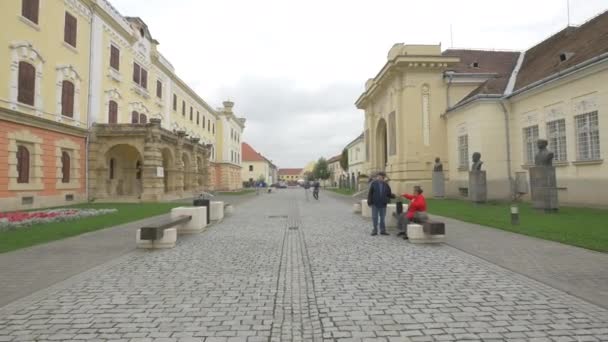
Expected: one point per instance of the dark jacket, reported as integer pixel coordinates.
(379, 194)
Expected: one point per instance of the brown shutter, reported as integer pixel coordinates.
(29, 9)
(144, 78)
(204, 121)
(191, 113)
(113, 113)
(198, 117)
(136, 72)
(23, 165)
(65, 167)
(174, 102)
(143, 118)
(70, 29)
(114, 57)
(159, 89)
(134, 117)
(183, 108)
(27, 83)
(67, 99)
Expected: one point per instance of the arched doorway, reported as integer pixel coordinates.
(381, 146)
(168, 170)
(187, 171)
(124, 171)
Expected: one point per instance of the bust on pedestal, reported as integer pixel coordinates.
(543, 181)
(438, 179)
(478, 188)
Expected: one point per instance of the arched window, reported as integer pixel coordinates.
(113, 112)
(23, 164)
(27, 83)
(112, 166)
(134, 117)
(67, 99)
(143, 118)
(65, 167)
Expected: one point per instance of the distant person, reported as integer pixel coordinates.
(417, 207)
(315, 191)
(377, 198)
(258, 185)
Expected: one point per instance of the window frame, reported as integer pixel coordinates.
(140, 75)
(112, 112)
(67, 98)
(65, 167)
(70, 29)
(23, 155)
(529, 143)
(26, 83)
(592, 145)
(159, 89)
(463, 152)
(557, 139)
(31, 5)
(114, 57)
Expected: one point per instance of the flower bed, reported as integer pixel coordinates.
(14, 220)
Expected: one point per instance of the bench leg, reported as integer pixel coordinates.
(168, 240)
(416, 234)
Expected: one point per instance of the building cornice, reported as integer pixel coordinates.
(34, 121)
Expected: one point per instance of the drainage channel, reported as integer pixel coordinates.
(296, 316)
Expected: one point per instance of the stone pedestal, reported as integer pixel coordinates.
(365, 210)
(416, 234)
(390, 220)
(438, 184)
(217, 210)
(357, 208)
(478, 187)
(168, 240)
(196, 224)
(543, 185)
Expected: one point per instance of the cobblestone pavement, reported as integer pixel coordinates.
(286, 269)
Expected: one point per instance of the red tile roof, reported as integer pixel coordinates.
(289, 172)
(578, 43)
(249, 154)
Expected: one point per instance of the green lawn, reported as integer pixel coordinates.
(42, 233)
(240, 192)
(583, 227)
(342, 191)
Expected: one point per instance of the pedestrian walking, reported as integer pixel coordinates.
(315, 191)
(417, 207)
(377, 198)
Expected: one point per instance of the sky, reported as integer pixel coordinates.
(295, 68)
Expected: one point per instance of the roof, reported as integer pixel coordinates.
(360, 137)
(334, 159)
(249, 154)
(286, 172)
(578, 43)
(498, 65)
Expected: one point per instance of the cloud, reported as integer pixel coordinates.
(290, 124)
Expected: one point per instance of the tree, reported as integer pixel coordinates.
(321, 170)
(344, 160)
(309, 176)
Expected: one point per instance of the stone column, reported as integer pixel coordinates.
(179, 164)
(152, 183)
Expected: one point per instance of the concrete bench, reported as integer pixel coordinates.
(356, 208)
(183, 220)
(427, 232)
(217, 210)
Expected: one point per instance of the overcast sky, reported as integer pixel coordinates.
(295, 69)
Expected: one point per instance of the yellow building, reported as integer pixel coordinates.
(89, 108)
(256, 167)
(290, 176)
(453, 103)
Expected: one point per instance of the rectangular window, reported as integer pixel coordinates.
(70, 29)
(191, 114)
(556, 135)
(198, 117)
(392, 130)
(250, 167)
(463, 152)
(183, 108)
(174, 102)
(140, 75)
(159, 89)
(29, 10)
(67, 99)
(208, 125)
(530, 137)
(113, 112)
(27, 83)
(213, 129)
(114, 57)
(587, 136)
(203, 121)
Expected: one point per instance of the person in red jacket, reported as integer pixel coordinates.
(417, 204)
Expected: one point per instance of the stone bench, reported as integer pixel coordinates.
(183, 220)
(357, 208)
(216, 210)
(427, 232)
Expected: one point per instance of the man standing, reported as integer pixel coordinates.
(417, 205)
(377, 198)
(315, 191)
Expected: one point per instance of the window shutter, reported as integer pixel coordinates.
(69, 31)
(67, 99)
(183, 108)
(23, 165)
(114, 57)
(174, 102)
(144, 78)
(134, 117)
(198, 117)
(113, 112)
(143, 119)
(136, 72)
(204, 121)
(29, 10)
(191, 112)
(27, 83)
(65, 167)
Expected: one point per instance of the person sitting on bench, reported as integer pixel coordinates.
(416, 211)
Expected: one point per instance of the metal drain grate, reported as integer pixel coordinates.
(294, 228)
(277, 216)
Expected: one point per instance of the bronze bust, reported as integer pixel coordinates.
(476, 161)
(438, 165)
(543, 157)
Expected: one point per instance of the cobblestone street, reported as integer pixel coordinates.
(284, 268)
